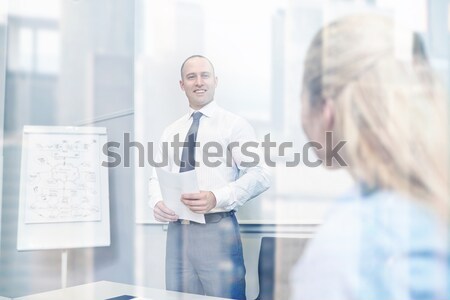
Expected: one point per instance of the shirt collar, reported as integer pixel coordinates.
(208, 110)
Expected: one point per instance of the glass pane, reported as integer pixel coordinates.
(258, 50)
(257, 56)
(70, 63)
(25, 55)
(47, 51)
(3, 48)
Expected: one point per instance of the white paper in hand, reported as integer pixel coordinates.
(172, 186)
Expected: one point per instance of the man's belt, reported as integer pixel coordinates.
(209, 218)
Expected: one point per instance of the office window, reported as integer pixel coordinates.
(47, 51)
(25, 51)
(37, 47)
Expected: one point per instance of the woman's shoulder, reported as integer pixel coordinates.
(370, 242)
(383, 206)
(391, 211)
(384, 217)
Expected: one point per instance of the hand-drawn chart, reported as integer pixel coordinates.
(62, 178)
(64, 189)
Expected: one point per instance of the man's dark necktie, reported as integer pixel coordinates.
(188, 155)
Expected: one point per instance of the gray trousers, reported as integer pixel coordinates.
(206, 259)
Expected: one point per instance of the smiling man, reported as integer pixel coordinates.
(207, 258)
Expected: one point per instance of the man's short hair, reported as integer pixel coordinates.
(194, 56)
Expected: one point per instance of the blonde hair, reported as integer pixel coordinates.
(390, 108)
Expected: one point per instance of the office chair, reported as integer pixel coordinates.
(276, 258)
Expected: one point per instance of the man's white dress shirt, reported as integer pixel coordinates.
(232, 184)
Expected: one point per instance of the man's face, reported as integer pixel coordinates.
(198, 82)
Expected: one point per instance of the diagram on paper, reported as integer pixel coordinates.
(63, 178)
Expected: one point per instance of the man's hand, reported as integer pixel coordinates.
(164, 214)
(200, 203)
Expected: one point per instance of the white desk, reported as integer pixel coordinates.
(105, 289)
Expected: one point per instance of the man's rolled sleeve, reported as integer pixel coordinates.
(224, 198)
(154, 191)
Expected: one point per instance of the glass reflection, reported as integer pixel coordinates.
(69, 63)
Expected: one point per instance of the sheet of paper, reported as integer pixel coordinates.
(172, 186)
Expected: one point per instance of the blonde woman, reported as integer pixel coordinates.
(366, 80)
